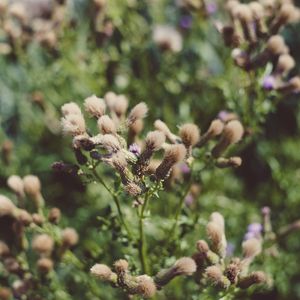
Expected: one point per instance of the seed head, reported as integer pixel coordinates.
(257, 277)
(214, 274)
(287, 12)
(54, 215)
(167, 37)
(216, 217)
(110, 98)
(32, 185)
(4, 250)
(7, 208)
(69, 237)
(44, 265)
(121, 265)
(101, 271)
(146, 286)
(24, 217)
(73, 125)
(285, 63)
(243, 12)
(108, 141)
(138, 112)
(202, 246)
(214, 232)
(133, 189)
(190, 134)
(185, 266)
(136, 127)
(71, 108)
(251, 248)
(257, 10)
(120, 105)
(154, 140)
(106, 125)
(42, 244)
(95, 106)
(276, 45)
(15, 183)
(216, 127)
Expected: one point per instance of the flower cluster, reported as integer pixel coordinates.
(215, 267)
(253, 33)
(140, 162)
(32, 20)
(29, 226)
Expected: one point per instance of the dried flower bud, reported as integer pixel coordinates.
(71, 108)
(173, 155)
(121, 265)
(251, 248)
(257, 277)
(133, 189)
(32, 185)
(24, 217)
(257, 10)
(120, 105)
(42, 244)
(285, 63)
(202, 246)
(106, 125)
(216, 234)
(190, 135)
(276, 45)
(216, 127)
(146, 286)
(232, 272)
(69, 237)
(73, 125)
(44, 265)
(215, 276)
(7, 208)
(4, 250)
(286, 14)
(154, 141)
(15, 183)
(54, 215)
(103, 272)
(232, 133)
(184, 266)
(234, 162)
(161, 126)
(216, 217)
(38, 219)
(138, 112)
(167, 38)
(292, 86)
(95, 106)
(110, 98)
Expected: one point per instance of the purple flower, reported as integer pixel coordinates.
(189, 200)
(249, 235)
(230, 249)
(266, 210)
(185, 169)
(186, 22)
(135, 149)
(211, 8)
(255, 228)
(269, 82)
(222, 115)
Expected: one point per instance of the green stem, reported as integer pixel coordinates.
(142, 240)
(117, 202)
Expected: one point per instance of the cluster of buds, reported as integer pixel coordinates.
(30, 20)
(28, 226)
(203, 8)
(215, 267)
(142, 285)
(118, 143)
(253, 35)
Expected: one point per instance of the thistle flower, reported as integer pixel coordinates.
(215, 233)
(216, 127)
(234, 162)
(285, 64)
(135, 149)
(269, 82)
(257, 277)
(24, 217)
(7, 208)
(15, 183)
(153, 142)
(120, 105)
(276, 45)
(173, 155)
(95, 106)
(44, 265)
(73, 124)
(54, 215)
(251, 248)
(167, 37)
(69, 237)
(232, 133)
(18, 11)
(104, 273)
(215, 276)
(42, 244)
(32, 187)
(110, 98)
(106, 125)
(38, 219)
(217, 218)
(121, 266)
(71, 108)
(146, 286)
(107, 141)
(133, 189)
(138, 112)
(184, 266)
(292, 86)
(161, 126)
(134, 129)
(190, 135)
(232, 271)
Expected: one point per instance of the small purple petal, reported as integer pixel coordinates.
(249, 235)
(269, 82)
(186, 22)
(222, 115)
(185, 169)
(211, 8)
(189, 200)
(230, 249)
(266, 210)
(255, 228)
(135, 149)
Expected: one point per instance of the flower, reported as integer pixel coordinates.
(268, 82)
(135, 149)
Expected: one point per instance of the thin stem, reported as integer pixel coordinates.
(142, 240)
(117, 202)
